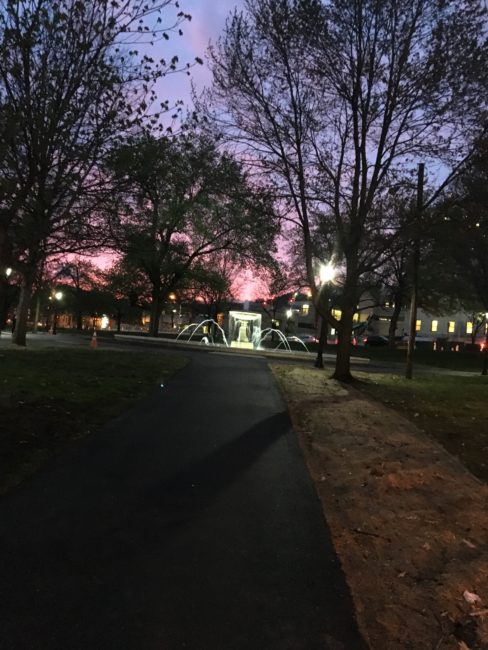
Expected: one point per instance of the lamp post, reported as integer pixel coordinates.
(485, 351)
(415, 272)
(172, 299)
(327, 273)
(4, 283)
(58, 296)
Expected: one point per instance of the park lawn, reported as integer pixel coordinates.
(465, 361)
(51, 397)
(452, 409)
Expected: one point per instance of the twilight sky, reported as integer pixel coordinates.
(208, 20)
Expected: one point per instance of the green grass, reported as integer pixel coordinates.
(50, 397)
(466, 361)
(451, 409)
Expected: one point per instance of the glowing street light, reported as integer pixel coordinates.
(8, 272)
(289, 313)
(327, 273)
(58, 295)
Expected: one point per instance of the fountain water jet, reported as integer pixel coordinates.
(269, 331)
(197, 326)
(295, 339)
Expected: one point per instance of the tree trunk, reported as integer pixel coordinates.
(324, 329)
(3, 303)
(20, 332)
(342, 370)
(485, 353)
(38, 312)
(394, 323)
(156, 309)
(79, 320)
(5, 251)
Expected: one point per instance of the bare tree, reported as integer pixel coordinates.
(334, 100)
(71, 82)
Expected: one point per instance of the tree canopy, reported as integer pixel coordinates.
(335, 101)
(72, 82)
(180, 201)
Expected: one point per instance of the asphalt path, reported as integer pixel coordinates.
(189, 522)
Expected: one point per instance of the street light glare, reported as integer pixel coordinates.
(327, 272)
(58, 295)
(8, 272)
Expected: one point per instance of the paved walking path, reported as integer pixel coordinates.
(189, 523)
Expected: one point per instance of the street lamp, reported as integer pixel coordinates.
(485, 351)
(327, 274)
(58, 296)
(4, 276)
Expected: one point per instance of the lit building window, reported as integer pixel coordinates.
(305, 309)
(418, 325)
(355, 318)
(451, 326)
(332, 331)
(337, 313)
(434, 326)
(469, 327)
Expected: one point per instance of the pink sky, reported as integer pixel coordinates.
(208, 21)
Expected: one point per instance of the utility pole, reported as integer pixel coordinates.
(415, 272)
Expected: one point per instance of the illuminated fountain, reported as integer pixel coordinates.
(244, 329)
(244, 332)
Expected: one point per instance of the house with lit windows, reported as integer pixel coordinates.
(296, 316)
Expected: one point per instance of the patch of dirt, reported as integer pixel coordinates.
(409, 522)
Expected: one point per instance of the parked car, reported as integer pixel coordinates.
(305, 338)
(376, 339)
(308, 338)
